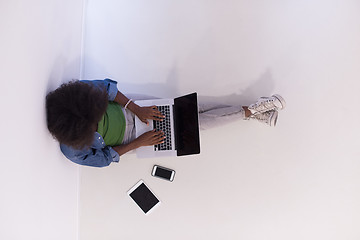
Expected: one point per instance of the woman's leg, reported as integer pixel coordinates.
(265, 110)
(130, 132)
(212, 115)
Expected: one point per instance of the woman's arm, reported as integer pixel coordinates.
(147, 139)
(143, 113)
(123, 100)
(93, 157)
(115, 95)
(107, 84)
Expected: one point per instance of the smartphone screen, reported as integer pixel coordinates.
(162, 172)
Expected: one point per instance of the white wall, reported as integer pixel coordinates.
(300, 180)
(39, 48)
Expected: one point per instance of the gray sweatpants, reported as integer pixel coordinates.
(210, 115)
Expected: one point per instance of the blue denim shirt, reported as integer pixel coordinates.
(98, 155)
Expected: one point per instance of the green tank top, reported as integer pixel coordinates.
(112, 125)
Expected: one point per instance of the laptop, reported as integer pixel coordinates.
(181, 127)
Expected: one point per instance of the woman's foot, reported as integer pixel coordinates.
(265, 104)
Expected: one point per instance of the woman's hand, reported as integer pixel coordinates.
(145, 113)
(150, 138)
(147, 139)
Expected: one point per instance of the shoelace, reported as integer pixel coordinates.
(266, 104)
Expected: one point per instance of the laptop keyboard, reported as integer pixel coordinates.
(165, 127)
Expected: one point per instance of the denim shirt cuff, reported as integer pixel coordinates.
(115, 156)
(112, 88)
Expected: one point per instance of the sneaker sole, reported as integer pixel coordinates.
(281, 100)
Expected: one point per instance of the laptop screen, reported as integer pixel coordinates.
(186, 120)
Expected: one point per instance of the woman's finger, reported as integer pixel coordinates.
(145, 121)
(159, 135)
(156, 115)
(158, 140)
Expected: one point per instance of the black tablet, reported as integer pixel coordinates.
(144, 197)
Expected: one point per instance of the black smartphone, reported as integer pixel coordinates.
(164, 173)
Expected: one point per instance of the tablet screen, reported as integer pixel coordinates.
(144, 198)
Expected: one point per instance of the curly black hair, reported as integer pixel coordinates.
(73, 111)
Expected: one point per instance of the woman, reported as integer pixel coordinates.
(94, 122)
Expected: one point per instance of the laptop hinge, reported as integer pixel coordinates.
(175, 126)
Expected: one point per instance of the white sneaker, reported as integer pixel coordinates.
(264, 104)
(268, 118)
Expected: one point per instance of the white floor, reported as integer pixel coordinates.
(300, 180)
(40, 47)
